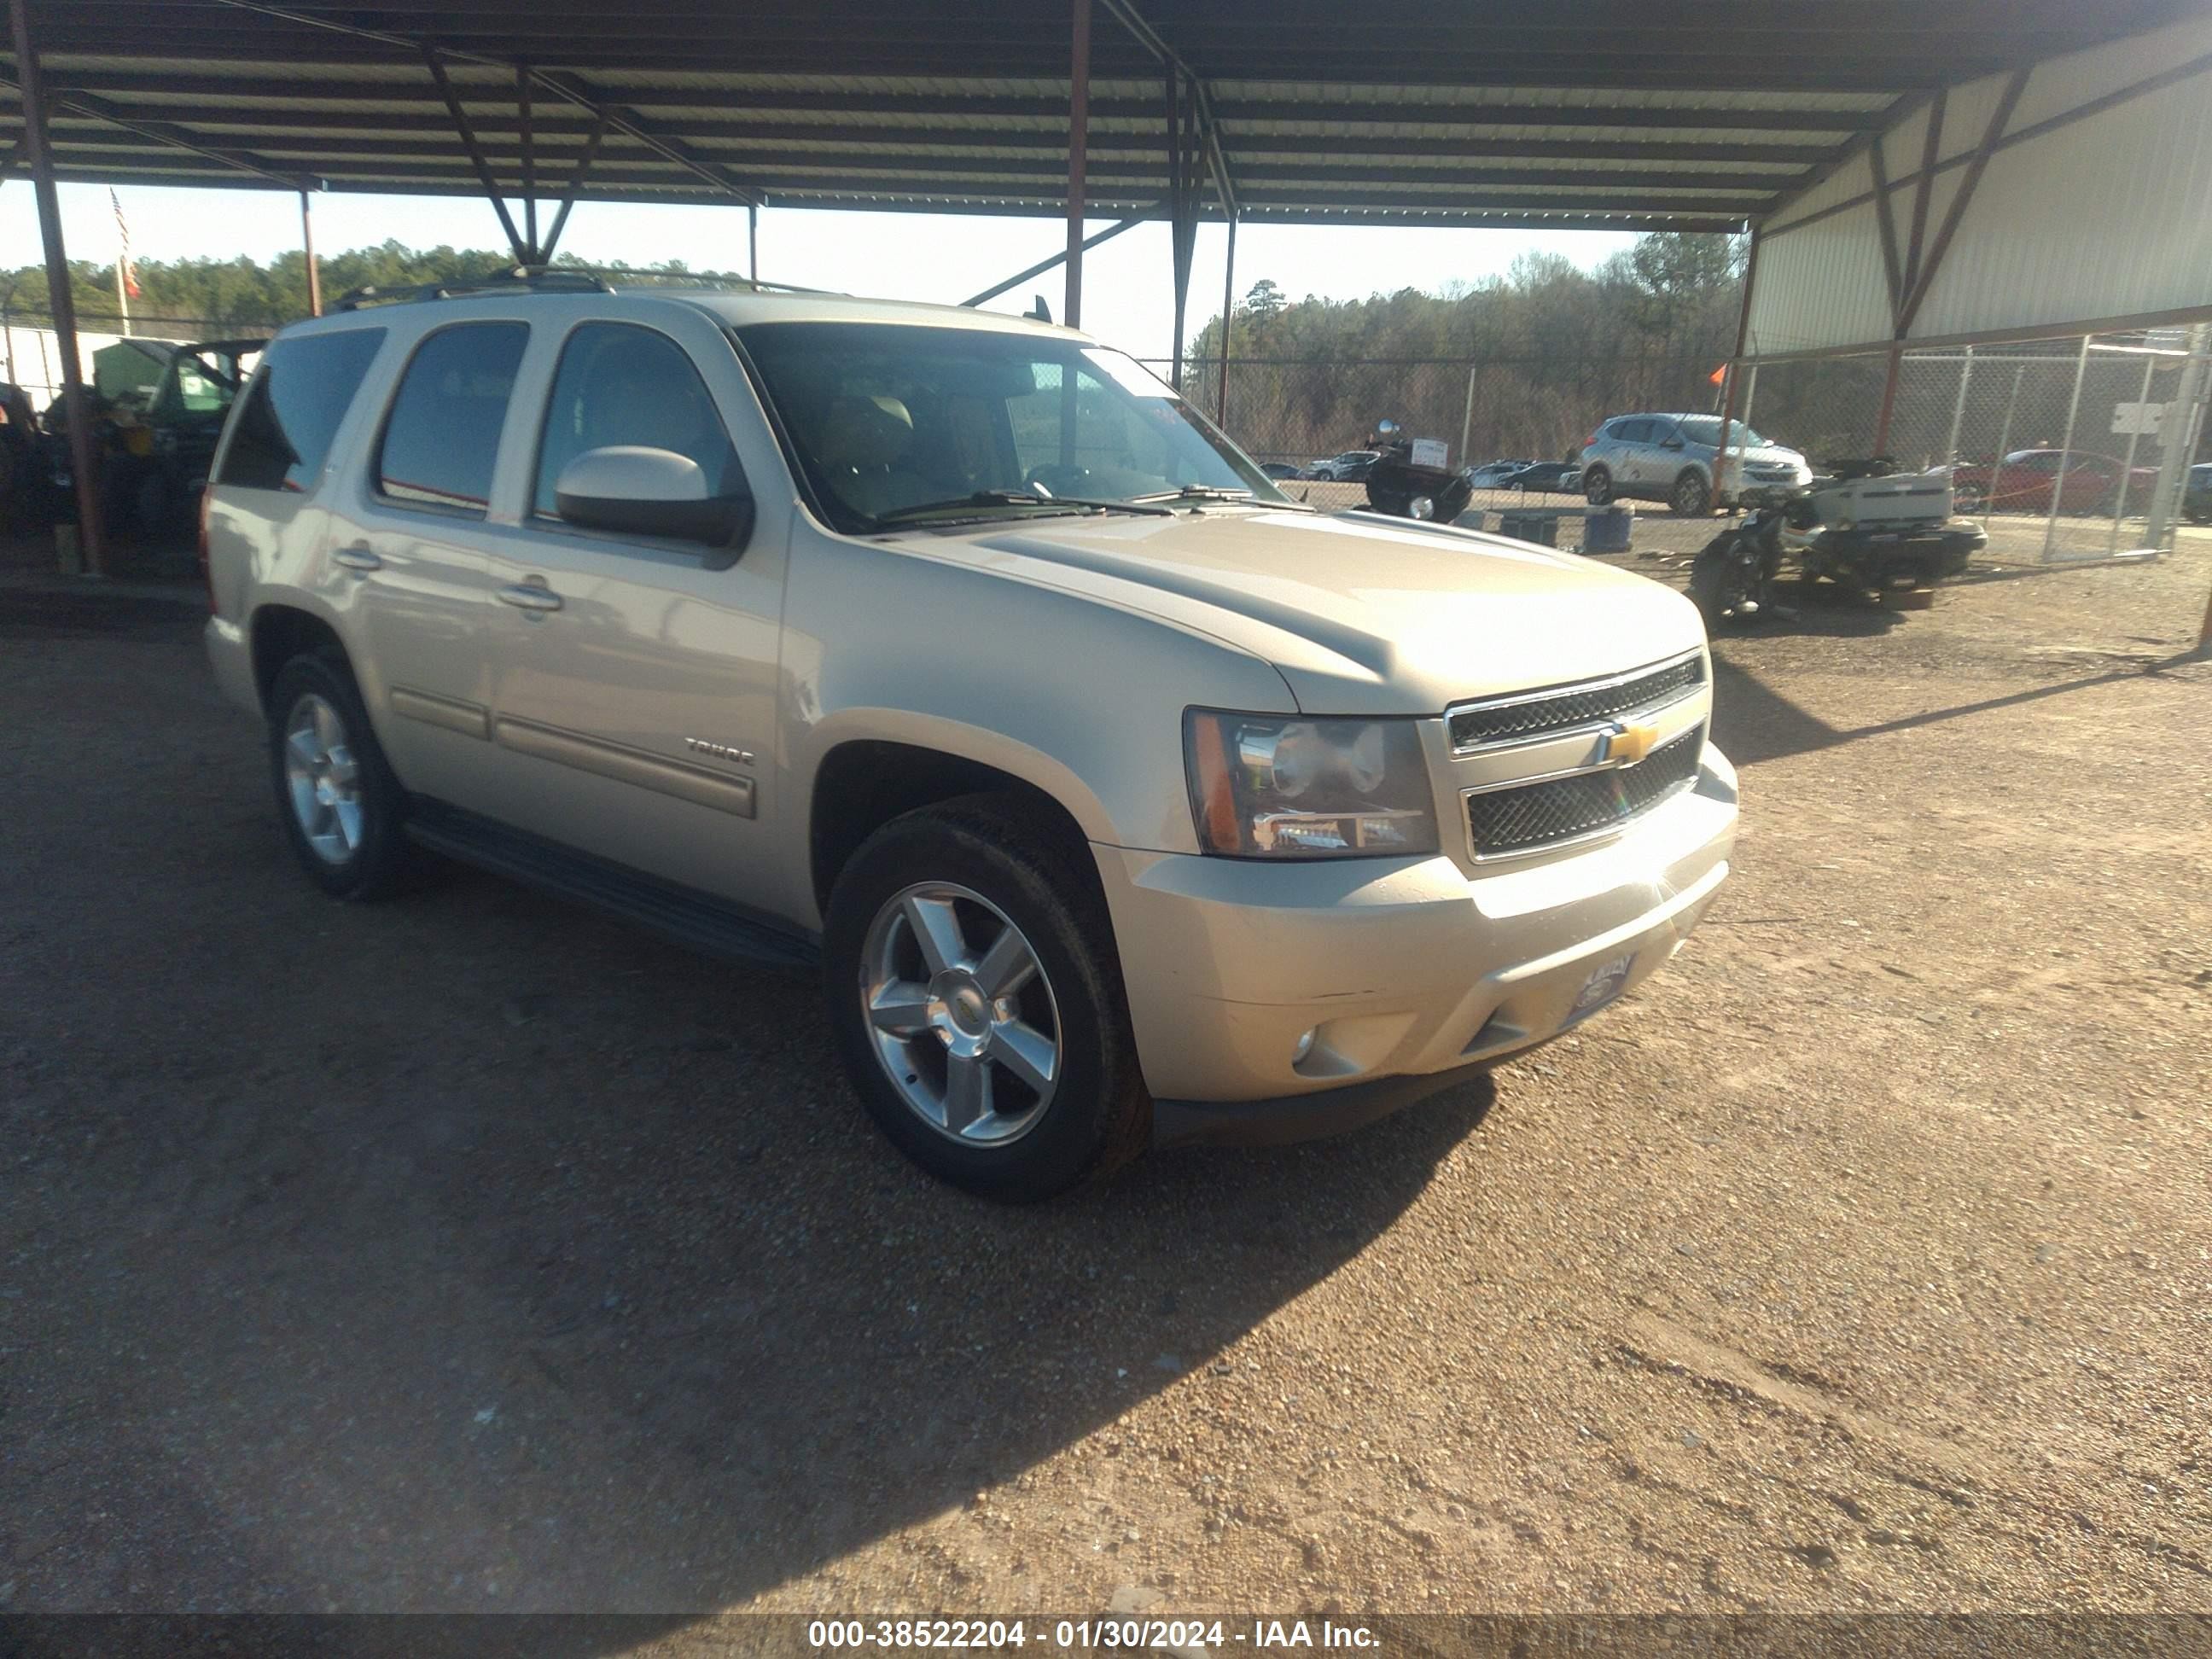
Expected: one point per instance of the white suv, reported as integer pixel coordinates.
(1120, 799)
(1674, 459)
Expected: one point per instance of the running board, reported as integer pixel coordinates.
(697, 921)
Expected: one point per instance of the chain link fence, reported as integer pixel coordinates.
(2056, 446)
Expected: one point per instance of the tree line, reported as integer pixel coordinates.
(244, 295)
(1553, 349)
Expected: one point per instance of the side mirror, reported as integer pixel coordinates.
(1671, 443)
(635, 491)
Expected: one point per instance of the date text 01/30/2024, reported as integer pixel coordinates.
(1177, 1635)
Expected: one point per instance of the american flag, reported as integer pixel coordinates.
(122, 229)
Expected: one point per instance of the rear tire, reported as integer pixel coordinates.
(1968, 500)
(344, 811)
(1691, 497)
(1014, 1095)
(1597, 486)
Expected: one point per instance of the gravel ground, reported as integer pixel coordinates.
(471, 1253)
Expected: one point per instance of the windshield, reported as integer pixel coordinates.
(1706, 429)
(890, 421)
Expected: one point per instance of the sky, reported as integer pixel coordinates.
(1127, 296)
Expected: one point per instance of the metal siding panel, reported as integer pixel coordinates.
(1821, 286)
(2109, 216)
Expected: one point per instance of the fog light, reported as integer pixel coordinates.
(1305, 1048)
(1421, 506)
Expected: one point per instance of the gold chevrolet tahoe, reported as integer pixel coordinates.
(1119, 800)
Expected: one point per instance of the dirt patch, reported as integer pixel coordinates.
(469, 1252)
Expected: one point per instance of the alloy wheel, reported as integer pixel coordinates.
(323, 780)
(962, 1015)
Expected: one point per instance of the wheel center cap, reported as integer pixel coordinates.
(969, 1008)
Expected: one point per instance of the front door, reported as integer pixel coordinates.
(636, 678)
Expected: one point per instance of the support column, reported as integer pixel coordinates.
(529, 167)
(1888, 399)
(1734, 363)
(1078, 130)
(84, 458)
(314, 271)
(1228, 320)
(752, 241)
(1179, 225)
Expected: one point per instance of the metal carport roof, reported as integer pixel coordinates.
(1639, 114)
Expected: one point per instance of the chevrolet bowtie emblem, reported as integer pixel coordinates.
(1624, 745)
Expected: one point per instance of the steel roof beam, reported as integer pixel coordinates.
(476, 158)
(166, 134)
(303, 92)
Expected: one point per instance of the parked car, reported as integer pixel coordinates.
(1279, 471)
(184, 418)
(824, 631)
(2025, 482)
(1550, 477)
(1493, 474)
(1351, 467)
(2197, 496)
(1672, 459)
(157, 437)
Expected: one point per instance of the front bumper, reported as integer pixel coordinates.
(1411, 973)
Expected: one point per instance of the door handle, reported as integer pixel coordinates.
(359, 558)
(532, 595)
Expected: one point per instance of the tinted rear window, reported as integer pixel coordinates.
(442, 438)
(285, 427)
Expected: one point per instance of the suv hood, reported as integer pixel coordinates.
(1361, 615)
(1766, 455)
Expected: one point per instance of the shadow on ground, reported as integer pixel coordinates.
(469, 1252)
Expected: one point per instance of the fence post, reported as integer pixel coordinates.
(1959, 407)
(1467, 420)
(2128, 466)
(2173, 466)
(2004, 443)
(2065, 452)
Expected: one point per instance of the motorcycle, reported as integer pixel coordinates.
(1397, 487)
(1732, 578)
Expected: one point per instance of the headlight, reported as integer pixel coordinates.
(1422, 507)
(1263, 786)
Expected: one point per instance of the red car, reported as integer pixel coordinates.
(2023, 484)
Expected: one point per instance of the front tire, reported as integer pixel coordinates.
(344, 811)
(1691, 497)
(973, 986)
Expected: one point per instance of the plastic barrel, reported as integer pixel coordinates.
(1607, 530)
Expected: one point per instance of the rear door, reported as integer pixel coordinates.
(407, 559)
(636, 682)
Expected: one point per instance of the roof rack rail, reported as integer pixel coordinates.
(568, 278)
(562, 278)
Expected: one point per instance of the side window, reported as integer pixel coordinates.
(1634, 432)
(284, 428)
(619, 383)
(442, 438)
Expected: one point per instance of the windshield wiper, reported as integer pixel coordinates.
(1198, 492)
(1016, 498)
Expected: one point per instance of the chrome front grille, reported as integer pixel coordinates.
(1515, 820)
(1537, 713)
